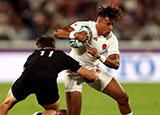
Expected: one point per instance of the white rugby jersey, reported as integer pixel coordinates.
(103, 44)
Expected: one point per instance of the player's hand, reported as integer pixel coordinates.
(90, 81)
(93, 79)
(81, 36)
(93, 52)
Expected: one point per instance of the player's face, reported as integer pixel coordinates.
(104, 26)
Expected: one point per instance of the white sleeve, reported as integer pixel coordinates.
(73, 25)
(76, 26)
(113, 45)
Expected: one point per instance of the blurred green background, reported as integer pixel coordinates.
(144, 99)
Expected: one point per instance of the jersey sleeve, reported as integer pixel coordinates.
(113, 45)
(71, 63)
(78, 26)
(75, 26)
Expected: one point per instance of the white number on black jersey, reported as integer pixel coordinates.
(50, 54)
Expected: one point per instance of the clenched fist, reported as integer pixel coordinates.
(93, 52)
(81, 36)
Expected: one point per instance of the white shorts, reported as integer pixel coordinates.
(74, 81)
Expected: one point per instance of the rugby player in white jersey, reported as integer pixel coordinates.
(90, 54)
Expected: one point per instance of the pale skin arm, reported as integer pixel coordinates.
(89, 75)
(64, 32)
(24, 68)
(112, 61)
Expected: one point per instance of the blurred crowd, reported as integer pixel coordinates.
(141, 21)
(27, 19)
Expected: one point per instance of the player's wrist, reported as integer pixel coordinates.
(102, 58)
(71, 35)
(98, 56)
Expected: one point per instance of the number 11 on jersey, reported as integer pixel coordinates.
(50, 54)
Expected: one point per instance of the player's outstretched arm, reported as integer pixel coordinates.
(89, 76)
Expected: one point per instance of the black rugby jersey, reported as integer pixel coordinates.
(51, 61)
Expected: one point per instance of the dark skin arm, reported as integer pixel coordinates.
(112, 61)
(64, 32)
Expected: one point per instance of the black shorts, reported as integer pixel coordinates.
(42, 85)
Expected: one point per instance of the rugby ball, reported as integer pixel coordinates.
(74, 43)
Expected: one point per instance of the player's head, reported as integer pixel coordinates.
(107, 16)
(45, 41)
(114, 13)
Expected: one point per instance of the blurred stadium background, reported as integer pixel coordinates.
(21, 21)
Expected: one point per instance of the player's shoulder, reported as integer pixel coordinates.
(112, 36)
(87, 23)
(35, 52)
(60, 52)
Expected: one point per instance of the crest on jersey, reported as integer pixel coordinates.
(104, 46)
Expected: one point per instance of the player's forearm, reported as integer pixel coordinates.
(63, 33)
(112, 63)
(89, 76)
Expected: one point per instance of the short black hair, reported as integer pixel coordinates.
(113, 12)
(45, 41)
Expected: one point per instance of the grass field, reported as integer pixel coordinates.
(144, 99)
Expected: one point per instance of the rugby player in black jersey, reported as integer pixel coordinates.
(40, 77)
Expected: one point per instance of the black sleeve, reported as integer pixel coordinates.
(72, 64)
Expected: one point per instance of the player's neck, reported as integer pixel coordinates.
(98, 31)
(47, 48)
